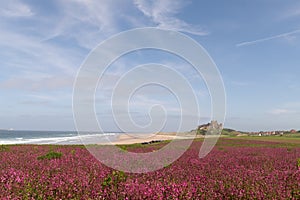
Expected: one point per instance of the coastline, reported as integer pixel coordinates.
(134, 138)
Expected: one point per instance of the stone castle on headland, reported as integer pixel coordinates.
(215, 128)
(211, 128)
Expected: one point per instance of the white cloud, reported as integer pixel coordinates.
(41, 56)
(281, 111)
(27, 53)
(287, 108)
(163, 12)
(15, 8)
(87, 21)
(286, 35)
(90, 22)
(291, 12)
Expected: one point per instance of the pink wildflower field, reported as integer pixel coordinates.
(235, 169)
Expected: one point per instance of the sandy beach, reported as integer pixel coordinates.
(133, 138)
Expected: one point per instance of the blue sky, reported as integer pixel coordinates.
(255, 44)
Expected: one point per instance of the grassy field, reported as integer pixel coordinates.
(280, 139)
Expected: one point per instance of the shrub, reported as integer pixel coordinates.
(50, 155)
(114, 179)
(4, 148)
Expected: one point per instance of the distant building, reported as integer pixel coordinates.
(293, 131)
(211, 128)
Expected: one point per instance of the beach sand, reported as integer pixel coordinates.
(134, 138)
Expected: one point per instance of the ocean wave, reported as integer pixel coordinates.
(66, 139)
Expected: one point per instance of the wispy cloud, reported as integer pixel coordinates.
(62, 40)
(15, 8)
(88, 22)
(280, 111)
(43, 44)
(287, 108)
(291, 11)
(41, 84)
(283, 35)
(162, 13)
(27, 54)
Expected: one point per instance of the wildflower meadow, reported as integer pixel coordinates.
(235, 169)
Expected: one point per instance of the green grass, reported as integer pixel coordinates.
(114, 179)
(127, 147)
(267, 141)
(4, 148)
(51, 155)
(234, 141)
(280, 139)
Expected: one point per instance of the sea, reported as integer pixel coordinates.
(54, 137)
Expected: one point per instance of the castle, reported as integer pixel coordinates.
(211, 128)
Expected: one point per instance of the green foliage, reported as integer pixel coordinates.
(4, 148)
(230, 132)
(201, 132)
(113, 179)
(123, 147)
(107, 181)
(127, 147)
(73, 151)
(298, 163)
(167, 165)
(51, 155)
